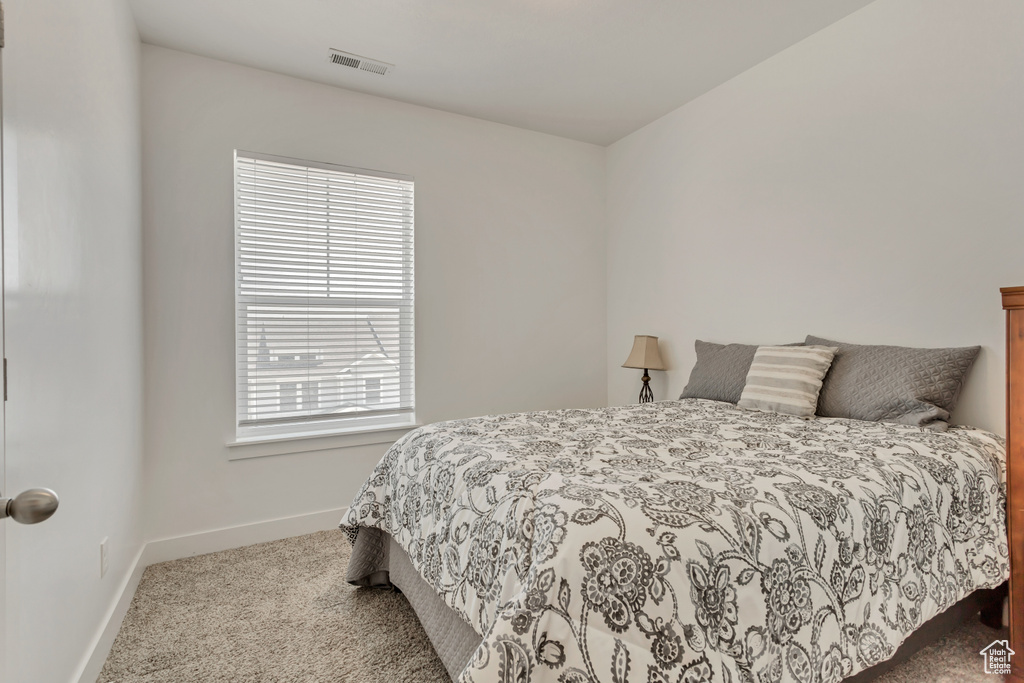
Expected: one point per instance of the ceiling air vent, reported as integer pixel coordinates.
(362, 63)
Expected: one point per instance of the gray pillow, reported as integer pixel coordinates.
(894, 383)
(720, 371)
(786, 379)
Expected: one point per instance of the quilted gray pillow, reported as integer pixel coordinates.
(894, 383)
(720, 372)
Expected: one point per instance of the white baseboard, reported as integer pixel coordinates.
(92, 664)
(167, 549)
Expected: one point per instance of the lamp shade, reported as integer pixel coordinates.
(645, 354)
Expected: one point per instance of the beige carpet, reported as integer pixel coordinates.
(282, 611)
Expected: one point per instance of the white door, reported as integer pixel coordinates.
(4, 658)
(30, 506)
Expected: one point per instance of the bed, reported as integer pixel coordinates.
(682, 541)
(1013, 304)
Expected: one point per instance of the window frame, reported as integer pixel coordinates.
(369, 421)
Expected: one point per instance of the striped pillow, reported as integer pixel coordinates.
(786, 379)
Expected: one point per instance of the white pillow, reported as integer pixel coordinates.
(786, 379)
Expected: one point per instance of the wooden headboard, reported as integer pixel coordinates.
(1013, 303)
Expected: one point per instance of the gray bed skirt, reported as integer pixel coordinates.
(377, 560)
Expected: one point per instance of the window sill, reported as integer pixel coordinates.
(284, 444)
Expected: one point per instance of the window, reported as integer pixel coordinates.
(324, 296)
(372, 389)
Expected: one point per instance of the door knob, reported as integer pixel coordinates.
(30, 507)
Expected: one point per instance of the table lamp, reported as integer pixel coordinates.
(645, 356)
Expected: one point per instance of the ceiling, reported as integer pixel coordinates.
(591, 70)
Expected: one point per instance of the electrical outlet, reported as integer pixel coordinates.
(104, 556)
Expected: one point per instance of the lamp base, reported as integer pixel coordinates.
(646, 395)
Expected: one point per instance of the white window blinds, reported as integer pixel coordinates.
(324, 294)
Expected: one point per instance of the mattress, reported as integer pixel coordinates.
(382, 562)
(688, 540)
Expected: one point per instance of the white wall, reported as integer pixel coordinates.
(864, 185)
(74, 320)
(510, 274)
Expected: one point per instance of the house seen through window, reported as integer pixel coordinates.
(324, 296)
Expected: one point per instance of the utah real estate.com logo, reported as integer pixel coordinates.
(997, 657)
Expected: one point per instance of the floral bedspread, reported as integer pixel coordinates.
(690, 541)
